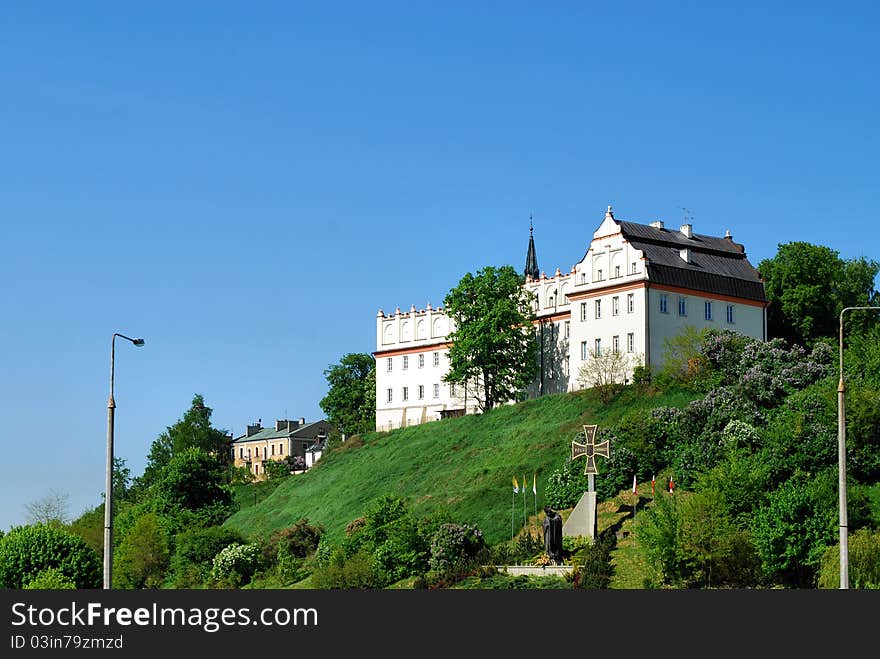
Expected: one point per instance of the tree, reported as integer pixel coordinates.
(51, 509)
(350, 403)
(605, 372)
(143, 555)
(809, 285)
(493, 343)
(194, 430)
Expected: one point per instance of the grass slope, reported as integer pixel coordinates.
(464, 465)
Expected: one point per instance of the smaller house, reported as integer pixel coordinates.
(287, 439)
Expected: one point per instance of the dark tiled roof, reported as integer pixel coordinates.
(716, 265)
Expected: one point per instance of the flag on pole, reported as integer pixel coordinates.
(516, 486)
(535, 484)
(671, 485)
(635, 487)
(652, 485)
(524, 485)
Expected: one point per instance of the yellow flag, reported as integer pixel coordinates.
(515, 485)
(535, 484)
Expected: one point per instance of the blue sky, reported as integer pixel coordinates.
(245, 184)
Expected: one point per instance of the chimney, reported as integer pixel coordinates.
(253, 429)
(658, 224)
(685, 254)
(687, 230)
(302, 421)
(727, 236)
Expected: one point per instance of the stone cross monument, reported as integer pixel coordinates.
(582, 521)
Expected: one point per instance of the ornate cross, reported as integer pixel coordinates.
(590, 450)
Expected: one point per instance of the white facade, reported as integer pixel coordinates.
(411, 360)
(635, 287)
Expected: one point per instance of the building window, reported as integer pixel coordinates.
(421, 391)
(241, 453)
(421, 360)
(567, 328)
(682, 306)
(617, 271)
(598, 347)
(436, 391)
(273, 449)
(405, 362)
(630, 302)
(565, 366)
(584, 351)
(632, 268)
(583, 311)
(615, 344)
(599, 275)
(707, 306)
(583, 277)
(452, 389)
(598, 309)
(390, 362)
(664, 303)
(615, 306)
(390, 395)
(630, 342)
(550, 300)
(436, 359)
(406, 393)
(730, 313)
(281, 449)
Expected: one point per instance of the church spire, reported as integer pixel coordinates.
(531, 270)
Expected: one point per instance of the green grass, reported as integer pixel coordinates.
(463, 465)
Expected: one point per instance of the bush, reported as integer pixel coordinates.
(863, 554)
(595, 569)
(454, 547)
(236, 564)
(300, 539)
(194, 554)
(359, 571)
(27, 551)
(143, 555)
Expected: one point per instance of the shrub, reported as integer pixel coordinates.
(236, 564)
(595, 563)
(863, 554)
(360, 571)
(194, 553)
(26, 551)
(300, 539)
(454, 547)
(143, 555)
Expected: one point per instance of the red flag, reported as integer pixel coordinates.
(635, 489)
(671, 485)
(652, 485)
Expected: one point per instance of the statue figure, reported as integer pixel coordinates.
(552, 527)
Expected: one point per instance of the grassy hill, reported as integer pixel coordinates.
(464, 465)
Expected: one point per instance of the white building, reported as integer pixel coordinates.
(636, 286)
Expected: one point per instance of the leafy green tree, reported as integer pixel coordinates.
(792, 531)
(193, 430)
(494, 351)
(27, 551)
(142, 557)
(350, 403)
(809, 285)
(192, 481)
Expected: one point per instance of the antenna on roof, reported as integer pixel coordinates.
(688, 216)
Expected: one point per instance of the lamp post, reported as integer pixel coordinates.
(108, 490)
(841, 457)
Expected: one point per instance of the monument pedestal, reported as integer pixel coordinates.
(582, 520)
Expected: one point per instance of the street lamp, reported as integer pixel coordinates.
(108, 491)
(841, 457)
